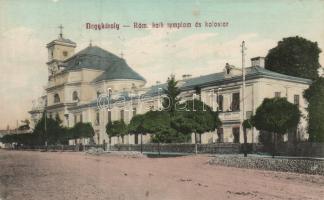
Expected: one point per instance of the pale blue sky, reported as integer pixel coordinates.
(26, 27)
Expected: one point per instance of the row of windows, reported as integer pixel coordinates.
(122, 116)
(235, 105)
(296, 97)
(235, 132)
(75, 97)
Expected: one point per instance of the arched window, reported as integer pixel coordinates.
(75, 96)
(98, 94)
(56, 98)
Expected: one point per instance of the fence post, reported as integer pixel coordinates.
(196, 145)
(159, 148)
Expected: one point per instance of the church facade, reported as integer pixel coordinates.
(80, 85)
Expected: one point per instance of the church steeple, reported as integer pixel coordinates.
(61, 31)
(58, 50)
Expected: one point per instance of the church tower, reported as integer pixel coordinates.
(58, 50)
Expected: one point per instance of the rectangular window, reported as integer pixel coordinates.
(122, 115)
(220, 101)
(277, 94)
(236, 101)
(97, 118)
(75, 119)
(81, 117)
(296, 99)
(134, 111)
(220, 134)
(236, 134)
(109, 116)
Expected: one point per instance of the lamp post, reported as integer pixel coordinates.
(243, 78)
(243, 97)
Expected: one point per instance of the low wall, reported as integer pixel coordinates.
(221, 148)
(57, 147)
(306, 166)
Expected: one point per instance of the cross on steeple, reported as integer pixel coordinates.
(61, 30)
(122, 54)
(90, 43)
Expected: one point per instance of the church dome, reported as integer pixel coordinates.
(94, 57)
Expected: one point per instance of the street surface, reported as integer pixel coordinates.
(30, 175)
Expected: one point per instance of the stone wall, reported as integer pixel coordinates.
(221, 148)
(308, 166)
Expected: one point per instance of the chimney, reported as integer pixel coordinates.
(257, 62)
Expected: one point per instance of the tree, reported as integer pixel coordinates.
(315, 96)
(156, 122)
(277, 116)
(198, 91)
(196, 118)
(171, 100)
(116, 128)
(247, 124)
(82, 130)
(136, 124)
(54, 134)
(295, 56)
(25, 125)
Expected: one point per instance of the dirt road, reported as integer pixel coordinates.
(63, 175)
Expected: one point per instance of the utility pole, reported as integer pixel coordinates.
(243, 78)
(243, 98)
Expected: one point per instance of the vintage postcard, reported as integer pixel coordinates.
(161, 100)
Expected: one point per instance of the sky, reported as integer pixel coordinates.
(27, 26)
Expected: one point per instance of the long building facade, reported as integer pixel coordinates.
(96, 86)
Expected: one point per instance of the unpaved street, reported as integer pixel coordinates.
(63, 175)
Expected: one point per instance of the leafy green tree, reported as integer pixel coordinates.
(171, 100)
(25, 125)
(295, 56)
(277, 116)
(196, 118)
(82, 130)
(54, 134)
(136, 124)
(116, 128)
(315, 97)
(170, 135)
(156, 122)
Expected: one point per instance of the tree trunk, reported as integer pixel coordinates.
(141, 142)
(274, 139)
(245, 142)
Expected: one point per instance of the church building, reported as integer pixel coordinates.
(80, 84)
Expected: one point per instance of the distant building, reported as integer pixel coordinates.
(80, 83)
